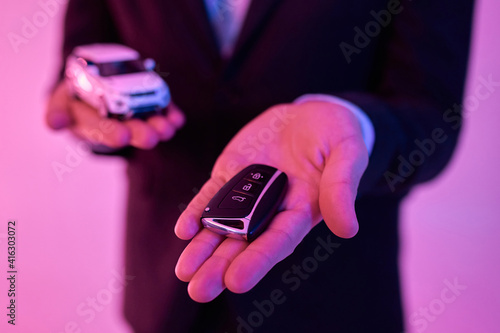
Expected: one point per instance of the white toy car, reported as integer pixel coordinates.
(116, 81)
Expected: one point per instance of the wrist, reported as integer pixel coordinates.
(367, 129)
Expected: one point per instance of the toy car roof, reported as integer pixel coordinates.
(101, 53)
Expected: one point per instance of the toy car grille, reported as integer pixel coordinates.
(146, 93)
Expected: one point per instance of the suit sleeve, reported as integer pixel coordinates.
(415, 95)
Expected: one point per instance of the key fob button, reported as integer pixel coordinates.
(258, 176)
(236, 200)
(248, 187)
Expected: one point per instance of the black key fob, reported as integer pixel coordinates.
(246, 204)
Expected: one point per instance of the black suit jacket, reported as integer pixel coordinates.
(407, 75)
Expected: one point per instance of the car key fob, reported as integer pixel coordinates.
(246, 204)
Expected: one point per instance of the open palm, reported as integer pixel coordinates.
(319, 146)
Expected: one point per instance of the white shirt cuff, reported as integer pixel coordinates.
(367, 129)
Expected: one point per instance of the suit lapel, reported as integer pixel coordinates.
(259, 14)
(195, 19)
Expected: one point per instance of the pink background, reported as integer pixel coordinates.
(70, 231)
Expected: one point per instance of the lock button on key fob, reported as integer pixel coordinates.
(246, 204)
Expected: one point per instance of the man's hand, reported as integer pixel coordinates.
(320, 147)
(64, 111)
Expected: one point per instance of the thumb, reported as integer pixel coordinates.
(57, 113)
(188, 224)
(338, 188)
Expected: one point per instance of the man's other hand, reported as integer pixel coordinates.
(64, 111)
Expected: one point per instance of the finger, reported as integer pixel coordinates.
(338, 187)
(279, 240)
(175, 116)
(196, 253)
(142, 134)
(208, 282)
(88, 124)
(162, 126)
(57, 113)
(189, 224)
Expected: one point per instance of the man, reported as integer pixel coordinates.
(401, 64)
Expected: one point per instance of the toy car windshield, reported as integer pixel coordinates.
(120, 67)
